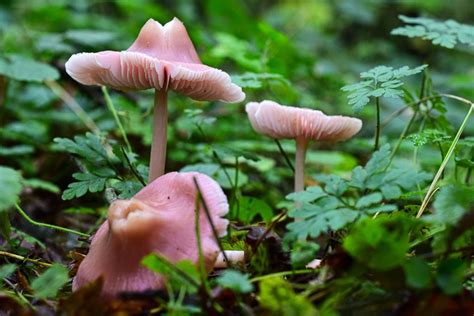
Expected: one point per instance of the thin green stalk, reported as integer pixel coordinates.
(209, 218)
(112, 109)
(236, 204)
(403, 134)
(60, 92)
(32, 221)
(287, 159)
(197, 230)
(377, 127)
(446, 158)
(281, 274)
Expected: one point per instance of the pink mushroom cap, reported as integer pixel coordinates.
(280, 121)
(162, 57)
(158, 219)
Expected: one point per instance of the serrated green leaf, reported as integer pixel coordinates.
(310, 194)
(88, 182)
(444, 33)
(235, 280)
(380, 81)
(127, 189)
(369, 199)
(251, 207)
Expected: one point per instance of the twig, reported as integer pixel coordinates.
(21, 258)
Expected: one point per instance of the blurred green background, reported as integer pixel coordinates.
(294, 52)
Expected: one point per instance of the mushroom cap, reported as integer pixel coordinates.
(280, 121)
(162, 57)
(158, 219)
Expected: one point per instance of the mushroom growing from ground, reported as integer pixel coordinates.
(163, 58)
(158, 219)
(301, 124)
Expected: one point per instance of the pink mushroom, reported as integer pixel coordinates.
(163, 58)
(279, 121)
(158, 219)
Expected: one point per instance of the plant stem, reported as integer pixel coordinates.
(112, 109)
(32, 221)
(280, 274)
(18, 257)
(301, 146)
(287, 159)
(60, 92)
(377, 126)
(158, 146)
(446, 158)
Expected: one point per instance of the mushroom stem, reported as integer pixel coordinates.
(158, 146)
(301, 146)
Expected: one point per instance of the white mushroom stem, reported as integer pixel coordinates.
(234, 256)
(158, 145)
(301, 146)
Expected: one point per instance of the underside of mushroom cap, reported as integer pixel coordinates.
(159, 219)
(162, 57)
(280, 121)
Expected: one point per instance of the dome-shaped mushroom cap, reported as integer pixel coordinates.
(279, 121)
(162, 57)
(160, 219)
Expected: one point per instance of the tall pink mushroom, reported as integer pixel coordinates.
(160, 219)
(279, 121)
(163, 58)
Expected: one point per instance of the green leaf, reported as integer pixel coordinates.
(25, 69)
(303, 252)
(6, 270)
(181, 274)
(310, 194)
(450, 276)
(447, 33)
(368, 200)
(379, 243)
(417, 273)
(451, 203)
(381, 81)
(88, 182)
(127, 189)
(235, 280)
(251, 207)
(10, 184)
(50, 282)
(89, 147)
(90, 38)
(320, 217)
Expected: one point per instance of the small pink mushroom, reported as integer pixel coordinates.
(279, 121)
(163, 58)
(158, 219)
